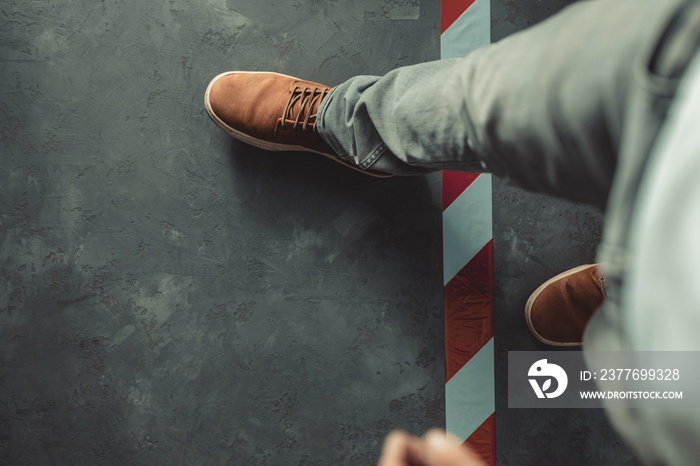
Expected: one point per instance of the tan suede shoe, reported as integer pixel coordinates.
(271, 111)
(558, 311)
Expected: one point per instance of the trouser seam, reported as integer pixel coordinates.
(373, 156)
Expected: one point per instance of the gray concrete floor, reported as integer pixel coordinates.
(170, 296)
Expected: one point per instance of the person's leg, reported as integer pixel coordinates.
(650, 246)
(543, 108)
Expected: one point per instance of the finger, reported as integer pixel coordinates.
(442, 449)
(402, 449)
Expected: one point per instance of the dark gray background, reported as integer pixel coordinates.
(171, 296)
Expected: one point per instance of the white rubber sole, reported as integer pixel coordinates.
(267, 145)
(534, 296)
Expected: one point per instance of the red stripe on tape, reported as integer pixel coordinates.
(450, 10)
(483, 440)
(469, 311)
(454, 184)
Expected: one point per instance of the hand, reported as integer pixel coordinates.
(435, 448)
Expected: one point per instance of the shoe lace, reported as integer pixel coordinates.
(302, 107)
(603, 287)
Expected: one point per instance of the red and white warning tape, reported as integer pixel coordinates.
(468, 264)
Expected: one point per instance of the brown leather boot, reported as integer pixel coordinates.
(558, 311)
(271, 111)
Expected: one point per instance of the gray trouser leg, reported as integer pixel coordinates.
(543, 108)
